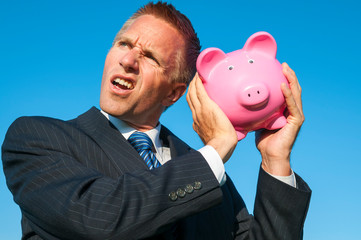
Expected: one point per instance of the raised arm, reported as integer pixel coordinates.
(276, 146)
(280, 210)
(209, 121)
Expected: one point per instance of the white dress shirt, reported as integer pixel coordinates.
(163, 153)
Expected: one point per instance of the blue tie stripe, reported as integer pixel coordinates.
(143, 145)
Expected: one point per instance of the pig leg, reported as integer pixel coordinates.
(241, 134)
(277, 123)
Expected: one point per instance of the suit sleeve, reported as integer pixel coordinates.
(63, 198)
(279, 210)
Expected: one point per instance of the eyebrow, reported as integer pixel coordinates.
(125, 39)
(146, 51)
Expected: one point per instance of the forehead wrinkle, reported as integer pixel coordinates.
(129, 39)
(145, 48)
(137, 35)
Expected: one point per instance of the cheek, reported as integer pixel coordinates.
(155, 89)
(105, 71)
(160, 84)
(111, 58)
(108, 62)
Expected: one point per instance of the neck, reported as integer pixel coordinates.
(141, 127)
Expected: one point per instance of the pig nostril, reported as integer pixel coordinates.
(254, 96)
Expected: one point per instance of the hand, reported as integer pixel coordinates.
(275, 146)
(209, 121)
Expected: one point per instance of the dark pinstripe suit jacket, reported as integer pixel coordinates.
(80, 179)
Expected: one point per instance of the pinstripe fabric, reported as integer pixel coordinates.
(81, 179)
(143, 145)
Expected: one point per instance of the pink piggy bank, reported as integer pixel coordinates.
(246, 83)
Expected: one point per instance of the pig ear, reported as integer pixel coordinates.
(261, 42)
(207, 60)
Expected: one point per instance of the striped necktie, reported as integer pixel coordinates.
(143, 145)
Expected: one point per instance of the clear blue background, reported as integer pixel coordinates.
(51, 62)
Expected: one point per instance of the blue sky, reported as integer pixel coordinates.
(51, 61)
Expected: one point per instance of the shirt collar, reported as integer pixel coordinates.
(127, 130)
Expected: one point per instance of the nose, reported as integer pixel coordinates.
(129, 60)
(254, 96)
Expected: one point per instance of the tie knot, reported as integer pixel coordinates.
(140, 141)
(143, 145)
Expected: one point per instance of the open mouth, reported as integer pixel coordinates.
(123, 84)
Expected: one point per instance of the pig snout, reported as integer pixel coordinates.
(254, 96)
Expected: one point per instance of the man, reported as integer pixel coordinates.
(82, 179)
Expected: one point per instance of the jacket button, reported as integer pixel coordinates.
(197, 185)
(181, 193)
(189, 188)
(173, 196)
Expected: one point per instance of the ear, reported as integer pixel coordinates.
(261, 42)
(173, 96)
(207, 60)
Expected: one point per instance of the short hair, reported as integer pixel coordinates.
(185, 63)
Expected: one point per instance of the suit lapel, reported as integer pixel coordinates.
(116, 147)
(177, 146)
(111, 141)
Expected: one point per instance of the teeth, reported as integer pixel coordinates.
(124, 83)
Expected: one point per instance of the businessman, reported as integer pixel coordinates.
(118, 173)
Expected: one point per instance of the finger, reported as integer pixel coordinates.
(193, 101)
(201, 91)
(190, 99)
(191, 95)
(199, 95)
(291, 76)
(294, 84)
(292, 79)
(295, 114)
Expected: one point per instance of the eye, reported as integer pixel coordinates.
(250, 61)
(230, 67)
(122, 44)
(152, 58)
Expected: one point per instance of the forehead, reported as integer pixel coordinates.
(154, 34)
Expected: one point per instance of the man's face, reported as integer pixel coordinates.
(135, 84)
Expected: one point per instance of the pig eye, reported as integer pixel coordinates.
(230, 67)
(250, 61)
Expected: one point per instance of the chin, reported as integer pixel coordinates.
(111, 108)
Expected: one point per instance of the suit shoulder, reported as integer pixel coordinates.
(46, 126)
(35, 124)
(25, 121)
